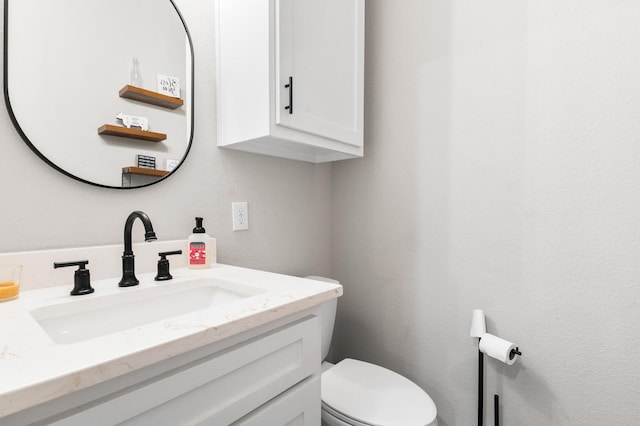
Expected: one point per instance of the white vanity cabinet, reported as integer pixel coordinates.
(290, 77)
(264, 376)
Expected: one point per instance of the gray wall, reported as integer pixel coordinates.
(501, 172)
(289, 202)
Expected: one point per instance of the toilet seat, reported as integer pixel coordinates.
(338, 418)
(364, 394)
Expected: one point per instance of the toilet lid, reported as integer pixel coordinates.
(374, 395)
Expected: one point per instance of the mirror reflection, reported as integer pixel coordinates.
(101, 90)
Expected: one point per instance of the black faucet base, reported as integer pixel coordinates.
(129, 283)
(81, 292)
(128, 271)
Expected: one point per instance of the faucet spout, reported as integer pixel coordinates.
(128, 259)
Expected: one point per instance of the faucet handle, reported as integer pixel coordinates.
(82, 277)
(163, 265)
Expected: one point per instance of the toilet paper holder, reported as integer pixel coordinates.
(515, 352)
(496, 350)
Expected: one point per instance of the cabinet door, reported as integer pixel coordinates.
(319, 47)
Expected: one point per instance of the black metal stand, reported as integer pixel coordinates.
(496, 398)
(480, 384)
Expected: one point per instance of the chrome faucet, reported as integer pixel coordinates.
(128, 265)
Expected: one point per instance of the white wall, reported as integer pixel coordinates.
(501, 172)
(289, 202)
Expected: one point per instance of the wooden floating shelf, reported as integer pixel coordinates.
(125, 132)
(143, 171)
(153, 98)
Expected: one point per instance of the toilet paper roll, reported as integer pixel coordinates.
(498, 348)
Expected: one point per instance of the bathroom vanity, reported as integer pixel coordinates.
(221, 346)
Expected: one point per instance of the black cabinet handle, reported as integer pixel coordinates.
(290, 87)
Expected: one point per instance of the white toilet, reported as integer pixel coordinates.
(356, 393)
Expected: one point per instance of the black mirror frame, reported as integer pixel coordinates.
(49, 162)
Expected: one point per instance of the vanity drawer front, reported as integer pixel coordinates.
(220, 388)
(299, 406)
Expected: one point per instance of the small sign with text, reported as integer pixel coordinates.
(168, 85)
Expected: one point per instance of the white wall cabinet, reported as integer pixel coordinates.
(265, 376)
(290, 77)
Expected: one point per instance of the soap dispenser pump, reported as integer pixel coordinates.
(201, 247)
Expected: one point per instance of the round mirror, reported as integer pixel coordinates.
(101, 90)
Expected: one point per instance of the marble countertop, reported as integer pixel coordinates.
(34, 369)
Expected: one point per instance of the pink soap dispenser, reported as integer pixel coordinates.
(201, 248)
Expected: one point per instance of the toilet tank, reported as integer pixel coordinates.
(327, 314)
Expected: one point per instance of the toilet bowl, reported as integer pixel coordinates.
(357, 393)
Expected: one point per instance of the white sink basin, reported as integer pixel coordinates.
(97, 316)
